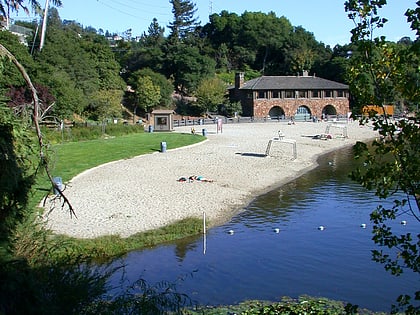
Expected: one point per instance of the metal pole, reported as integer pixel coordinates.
(44, 25)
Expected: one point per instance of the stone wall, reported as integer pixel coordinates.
(262, 106)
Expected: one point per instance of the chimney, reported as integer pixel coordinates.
(239, 80)
(305, 73)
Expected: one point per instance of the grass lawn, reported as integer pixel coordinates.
(70, 159)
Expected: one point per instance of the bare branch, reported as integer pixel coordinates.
(5, 52)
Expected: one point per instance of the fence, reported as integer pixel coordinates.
(233, 120)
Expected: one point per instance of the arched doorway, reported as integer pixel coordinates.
(303, 113)
(276, 112)
(329, 110)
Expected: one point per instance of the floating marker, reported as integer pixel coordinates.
(230, 232)
(321, 228)
(277, 230)
(363, 226)
(404, 222)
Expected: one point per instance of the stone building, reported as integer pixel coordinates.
(300, 97)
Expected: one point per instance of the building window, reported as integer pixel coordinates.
(316, 93)
(289, 94)
(301, 94)
(328, 93)
(261, 94)
(276, 94)
(340, 93)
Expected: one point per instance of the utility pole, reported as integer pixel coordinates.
(44, 25)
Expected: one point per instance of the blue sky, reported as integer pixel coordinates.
(326, 19)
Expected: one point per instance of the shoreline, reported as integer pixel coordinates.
(129, 196)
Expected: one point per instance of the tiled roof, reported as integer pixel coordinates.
(292, 83)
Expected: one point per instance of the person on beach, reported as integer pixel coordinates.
(200, 178)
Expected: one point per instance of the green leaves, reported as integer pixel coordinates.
(210, 93)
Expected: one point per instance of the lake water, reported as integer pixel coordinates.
(256, 262)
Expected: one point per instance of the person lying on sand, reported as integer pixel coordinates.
(200, 178)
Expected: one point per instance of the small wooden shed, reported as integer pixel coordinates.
(163, 119)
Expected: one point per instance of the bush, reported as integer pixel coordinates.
(89, 131)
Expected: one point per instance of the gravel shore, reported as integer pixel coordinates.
(134, 195)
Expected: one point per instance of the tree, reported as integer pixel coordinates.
(187, 66)
(75, 64)
(148, 94)
(184, 23)
(8, 6)
(210, 94)
(165, 87)
(392, 163)
(155, 34)
(106, 104)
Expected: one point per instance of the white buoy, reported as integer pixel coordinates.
(404, 222)
(277, 230)
(230, 232)
(321, 228)
(363, 226)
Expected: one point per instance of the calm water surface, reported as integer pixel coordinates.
(255, 262)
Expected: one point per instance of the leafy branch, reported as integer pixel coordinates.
(36, 110)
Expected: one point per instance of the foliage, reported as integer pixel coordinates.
(302, 305)
(380, 72)
(184, 24)
(88, 131)
(210, 94)
(305, 305)
(147, 93)
(108, 247)
(187, 66)
(158, 80)
(105, 104)
(75, 65)
(392, 165)
(18, 167)
(10, 76)
(392, 169)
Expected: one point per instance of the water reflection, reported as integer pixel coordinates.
(255, 262)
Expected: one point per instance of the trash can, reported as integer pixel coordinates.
(150, 128)
(163, 147)
(204, 131)
(59, 183)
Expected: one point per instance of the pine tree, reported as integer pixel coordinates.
(184, 23)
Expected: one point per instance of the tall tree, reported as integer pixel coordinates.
(184, 23)
(9, 6)
(392, 164)
(155, 35)
(187, 66)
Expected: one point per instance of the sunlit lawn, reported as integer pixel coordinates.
(70, 159)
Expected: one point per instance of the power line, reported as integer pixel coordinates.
(132, 7)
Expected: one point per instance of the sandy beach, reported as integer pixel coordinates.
(134, 195)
